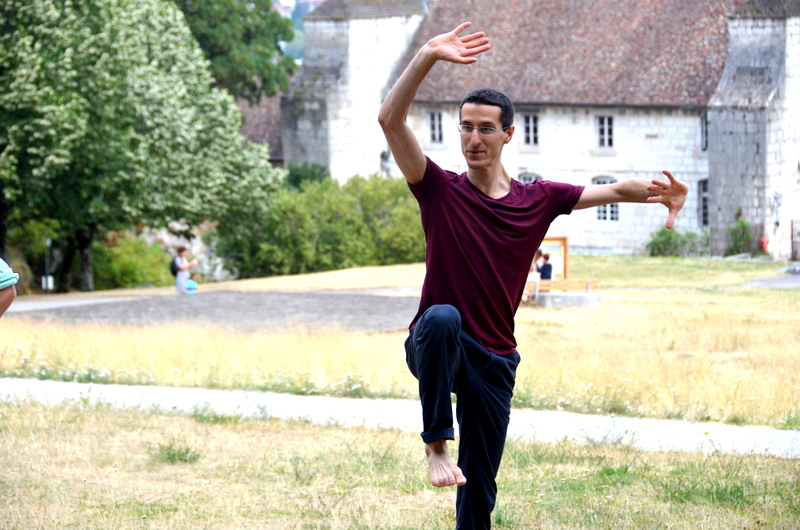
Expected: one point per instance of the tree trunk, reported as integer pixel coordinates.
(62, 266)
(84, 237)
(5, 210)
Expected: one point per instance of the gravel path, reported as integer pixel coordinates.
(364, 311)
(527, 425)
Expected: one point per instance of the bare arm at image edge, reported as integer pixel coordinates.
(8, 291)
(7, 296)
(392, 117)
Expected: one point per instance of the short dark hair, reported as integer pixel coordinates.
(487, 96)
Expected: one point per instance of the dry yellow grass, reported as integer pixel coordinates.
(724, 355)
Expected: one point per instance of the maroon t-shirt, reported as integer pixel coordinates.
(480, 249)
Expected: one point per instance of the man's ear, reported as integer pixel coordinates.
(509, 134)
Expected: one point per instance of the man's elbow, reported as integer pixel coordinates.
(383, 119)
(389, 120)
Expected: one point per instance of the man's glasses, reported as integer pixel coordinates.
(466, 130)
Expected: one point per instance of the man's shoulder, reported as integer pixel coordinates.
(434, 168)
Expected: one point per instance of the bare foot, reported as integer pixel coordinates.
(444, 472)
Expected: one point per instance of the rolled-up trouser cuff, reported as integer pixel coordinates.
(441, 434)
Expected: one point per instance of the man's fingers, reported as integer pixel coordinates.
(475, 51)
(461, 27)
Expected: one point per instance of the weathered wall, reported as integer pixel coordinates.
(754, 144)
(646, 141)
(330, 115)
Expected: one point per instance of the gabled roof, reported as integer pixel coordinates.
(579, 52)
(354, 9)
(770, 9)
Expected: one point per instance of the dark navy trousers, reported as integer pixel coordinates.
(445, 359)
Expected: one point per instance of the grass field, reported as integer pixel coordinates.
(698, 352)
(671, 340)
(76, 466)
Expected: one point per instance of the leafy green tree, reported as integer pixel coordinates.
(323, 226)
(110, 120)
(242, 39)
(392, 215)
(320, 228)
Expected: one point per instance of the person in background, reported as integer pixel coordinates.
(8, 289)
(546, 269)
(538, 260)
(183, 269)
(191, 284)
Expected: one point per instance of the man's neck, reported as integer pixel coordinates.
(493, 181)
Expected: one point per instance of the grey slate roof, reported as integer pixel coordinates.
(579, 52)
(355, 9)
(770, 9)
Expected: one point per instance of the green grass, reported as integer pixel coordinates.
(620, 272)
(91, 467)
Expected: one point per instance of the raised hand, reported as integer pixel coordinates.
(671, 194)
(463, 50)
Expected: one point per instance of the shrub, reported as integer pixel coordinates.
(741, 237)
(129, 262)
(318, 225)
(305, 173)
(670, 242)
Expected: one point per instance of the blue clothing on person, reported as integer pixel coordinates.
(7, 276)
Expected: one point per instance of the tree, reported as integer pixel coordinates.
(313, 224)
(242, 39)
(112, 121)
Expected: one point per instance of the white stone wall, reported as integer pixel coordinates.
(783, 190)
(646, 141)
(755, 151)
(373, 49)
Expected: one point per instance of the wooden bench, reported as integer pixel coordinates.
(533, 288)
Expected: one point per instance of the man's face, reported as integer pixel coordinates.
(482, 150)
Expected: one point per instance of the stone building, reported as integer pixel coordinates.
(604, 91)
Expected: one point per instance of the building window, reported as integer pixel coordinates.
(703, 191)
(435, 121)
(527, 178)
(704, 132)
(607, 212)
(605, 131)
(531, 129)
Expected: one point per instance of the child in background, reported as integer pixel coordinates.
(546, 270)
(191, 284)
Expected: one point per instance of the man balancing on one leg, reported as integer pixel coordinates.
(481, 229)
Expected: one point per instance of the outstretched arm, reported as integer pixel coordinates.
(394, 110)
(671, 194)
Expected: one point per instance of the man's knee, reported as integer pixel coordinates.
(441, 317)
